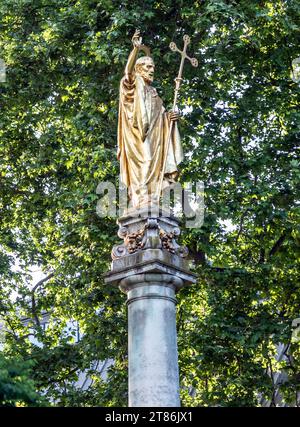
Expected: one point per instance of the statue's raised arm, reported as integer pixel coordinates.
(137, 43)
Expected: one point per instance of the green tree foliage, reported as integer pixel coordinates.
(16, 388)
(58, 126)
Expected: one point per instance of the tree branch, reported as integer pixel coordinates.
(33, 301)
(241, 225)
(277, 245)
(45, 279)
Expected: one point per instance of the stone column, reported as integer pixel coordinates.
(150, 268)
(152, 342)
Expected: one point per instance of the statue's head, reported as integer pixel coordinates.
(144, 66)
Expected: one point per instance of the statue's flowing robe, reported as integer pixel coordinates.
(142, 139)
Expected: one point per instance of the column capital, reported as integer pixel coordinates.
(151, 280)
(149, 248)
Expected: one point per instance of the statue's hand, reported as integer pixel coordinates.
(174, 116)
(136, 39)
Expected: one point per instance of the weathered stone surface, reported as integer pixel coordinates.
(152, 345)
(149, 246)
(150, 267)
(141, 232)
(149, 261)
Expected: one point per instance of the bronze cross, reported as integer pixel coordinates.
(178, 81)
(184, 55)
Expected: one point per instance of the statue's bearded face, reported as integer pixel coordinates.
(146, 70)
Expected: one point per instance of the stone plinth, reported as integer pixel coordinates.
(150, 267)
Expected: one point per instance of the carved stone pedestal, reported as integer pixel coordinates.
(150, 266)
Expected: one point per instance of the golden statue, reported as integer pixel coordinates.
(149, 147)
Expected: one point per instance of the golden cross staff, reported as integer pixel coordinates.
(178, 81)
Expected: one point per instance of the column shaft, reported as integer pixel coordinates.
(152, 345)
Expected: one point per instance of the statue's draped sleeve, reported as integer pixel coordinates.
(142, 135)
